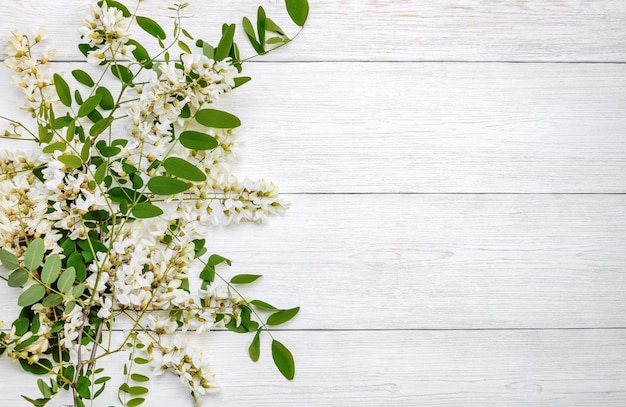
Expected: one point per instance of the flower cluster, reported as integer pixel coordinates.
(105, 30)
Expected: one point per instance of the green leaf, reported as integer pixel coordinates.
(283, 360)
(71, 161)
(85, 151)
(21, 326)
(249, 30)
(184, 47)
(61, 122)
(100, 172)
(78, 290)
(43, 366)
(255, 347)
(83, 77)
(137, 390)
(89, 105)
(140, 53)
(244, 278)
(194, 140)
(271, 26)
(71, 130)
(263, 305)
(18, 278)
(275, 40)
(261, 20)
(226, 43)
(34, 254)
(52, 300)
(141, 361)
(151, 27)
(208, 50)
(298, 11)
(122, 73)
(66, 281)
(217, 119)
(135, 402)
(139, 377)
(63, 90)
(183, 169)
(208, 274)
(51, 269)
(82, 387)
(146, 210)
(44, 134)
(216, 259)
(100, 126)
(282, 316)
(107, 102)
(241, 80)
(44, 389)
(38, 402)
(31, 295)
(162, 185)
(9, 260)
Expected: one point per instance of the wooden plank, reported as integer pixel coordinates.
(410, 30)
(384, 127)
(475, 368)
(431, 261)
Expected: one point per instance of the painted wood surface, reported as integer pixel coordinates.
(404, 368)
(386, 30)
(457, 230)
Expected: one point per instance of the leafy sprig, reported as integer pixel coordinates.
(103, 221)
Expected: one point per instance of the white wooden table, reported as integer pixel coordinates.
(458, 228)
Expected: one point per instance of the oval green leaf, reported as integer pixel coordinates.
(34, 254)
(9, 260)
(78, 290)
(226, 42)
(146, 210)
(283, 360)
(217, 119)
(18, 278)
(89, 105)
(100, 126)
(51, 148)
(107, 102)
(31, 295)
(194, 140)
(139, 377)
(298, 11)
(122, 73)
(263, 305)
(63, 90)
(244, 278)
(51, 269)
(66, 281)
(282, 316)
(163, 185)
(135, 402)
(70, 161)
(151, 27)
(255, 347)
(183, 169)
(52, 300)
(83, 77)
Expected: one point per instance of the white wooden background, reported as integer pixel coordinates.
(458, 228)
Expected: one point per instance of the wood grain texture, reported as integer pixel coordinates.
(434, 262)
(407, 30)
(471, 128)
(444, 296)
(576, 368)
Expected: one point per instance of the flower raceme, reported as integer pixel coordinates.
(104, 216)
